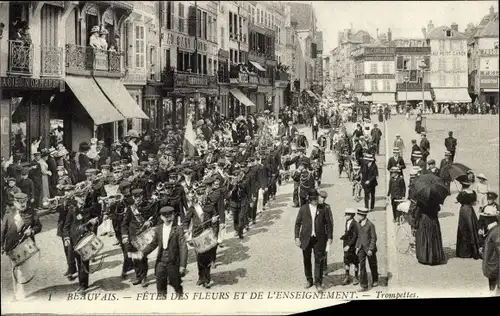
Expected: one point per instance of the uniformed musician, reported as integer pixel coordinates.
(138, 217)
(80, 222)
(17, 225)
(200, 216)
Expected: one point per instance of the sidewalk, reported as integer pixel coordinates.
(458, 277)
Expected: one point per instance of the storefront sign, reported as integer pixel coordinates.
(224, 54)
(413, 50)
(31, 83)
(378, 58)
(264, 89)
(488, 82)
(413, 86)
(379, 50)
(179, 40)
(488, 52)
(379, 76)
(453, 53)
(207, 47)
(489, 73)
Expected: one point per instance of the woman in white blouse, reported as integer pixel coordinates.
(46, 173)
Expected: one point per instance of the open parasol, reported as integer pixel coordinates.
(430, 189)
(453, 171)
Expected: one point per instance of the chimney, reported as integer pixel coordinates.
(430, 27)
(492, 10)
(389, 35)
(377, 33)
(454, 26)
(424, 32)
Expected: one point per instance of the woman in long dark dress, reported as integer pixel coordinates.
(428, 241)
(380, 114)
(468, 228)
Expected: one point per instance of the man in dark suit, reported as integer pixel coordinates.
(281, 128)
(171, 259)
(451, 145)
(425, 146)
(396, 160)
(369, 174)
(366, 248)
(420, 161)
(349, 240)
(414, 148)
(431, 168)
(376, 135)
(291, 131)
(322, 204)
(396, 190)
(313, 231)
(115, 154)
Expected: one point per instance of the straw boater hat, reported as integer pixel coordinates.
(350, 211)
(395, 150)
(103, 32)
(363, 211)
(489, 211)
(447, 153)
(395, 170)
(133, 134)
(95, 29)
(481, 176)
(368, 157)
(417, 154)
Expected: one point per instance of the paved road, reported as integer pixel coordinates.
(478, 147)
(267, 258)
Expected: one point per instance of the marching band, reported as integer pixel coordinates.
(193, 198)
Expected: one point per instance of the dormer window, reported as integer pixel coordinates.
(448, 33)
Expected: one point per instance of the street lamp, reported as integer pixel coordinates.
(422, 69)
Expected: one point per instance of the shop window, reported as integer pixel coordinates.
(19, 141)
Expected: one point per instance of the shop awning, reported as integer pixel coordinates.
(414, 96)
(312, 95)
(258, 66)
(93, 100)
(241, 97)
(452, 95)
(121, 99)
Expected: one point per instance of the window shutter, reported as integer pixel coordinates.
(192, 21)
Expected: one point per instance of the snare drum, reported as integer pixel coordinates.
(143, 239)
(205, 241)
(89, 247)
(23, 252)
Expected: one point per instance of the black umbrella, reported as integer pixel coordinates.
(430, 189)
(453, 171)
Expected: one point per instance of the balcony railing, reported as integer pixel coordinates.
(188, 79)
(52, 61)
(253, 79)
(223, 76)
(20, 58)
(264, 81)
(84, 58)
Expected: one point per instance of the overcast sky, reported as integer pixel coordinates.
(404, 18)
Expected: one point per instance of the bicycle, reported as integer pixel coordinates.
(356, 191)
(405, 234)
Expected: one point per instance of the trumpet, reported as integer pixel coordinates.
(109, 200)
(53, 203)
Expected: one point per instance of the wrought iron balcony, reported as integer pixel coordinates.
(264, 81)
(85, 58)
(223, 76)
(20, 58)
(253, 79)
(282, 76)
(181, 79)
(52, 61)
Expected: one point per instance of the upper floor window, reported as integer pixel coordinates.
(441, 44)
(386, 68)
(181, 18)
(373, 68)
(448, 33)
(222, 44)
(387, 85)
(139, 46)
(374, 85)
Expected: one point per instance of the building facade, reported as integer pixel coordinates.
(343, 69)
(412, 79)
(53, 79)
(483, 60)
(448, 64)
(375, 75)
